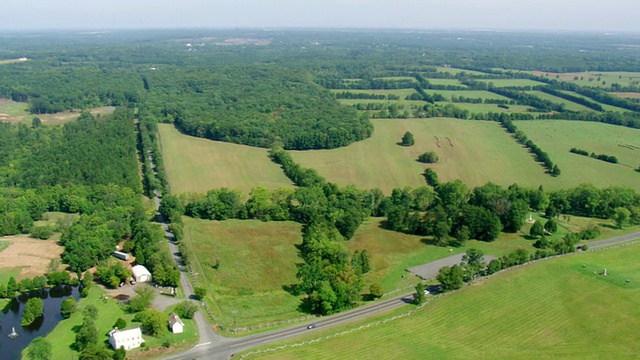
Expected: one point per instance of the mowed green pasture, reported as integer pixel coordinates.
(569, 105)
(199, 165)
(456, 71)
(604, 106)
(12, 108)
(479, 152)
(256, 261)
(402, 93)
(486, 108)
(556, 137)
(454, 82)
(511, 82)
(474, 94)
(556, 308)
(591, 78)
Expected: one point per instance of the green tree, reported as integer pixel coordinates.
(90, 312)
(472, 262)
(376, 291)
(120, 354)
(200, 292)
(39, 349)
(12, 287)
(120, 323)
(67, 307)
(407, 139)
(33, 309)
(429, 157)
(451, 278)
(186, 309)
(36, 122)
(419, 296)
(87, 335)
(555, 171)
(551, 226)
(621, 216)
(536, 229)
(143, 298)
(153, 322)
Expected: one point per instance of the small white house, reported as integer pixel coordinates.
(141, 274)
(129, 339)
(175, 324)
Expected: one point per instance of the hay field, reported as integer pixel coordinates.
(569, 105)
(480, 151)
(556, 137)
(199, 165)
(524, 313)
(256, 260)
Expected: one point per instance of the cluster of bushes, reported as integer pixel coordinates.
(520, 136)
(26, 285)
(428, 157)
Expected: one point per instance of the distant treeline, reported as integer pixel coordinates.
(351, 95)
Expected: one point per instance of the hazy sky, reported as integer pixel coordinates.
(584, 15)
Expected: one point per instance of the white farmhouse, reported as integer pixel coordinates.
(129, 339)
(141, 274)
(175, 324)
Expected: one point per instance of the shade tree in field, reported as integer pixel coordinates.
(536, 229)
(429, 157)
(39, 349)
(407, 139)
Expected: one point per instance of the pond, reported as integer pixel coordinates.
(11, 348)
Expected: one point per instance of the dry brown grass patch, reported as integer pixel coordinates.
(31, 255)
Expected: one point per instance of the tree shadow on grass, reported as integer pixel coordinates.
(292, 289)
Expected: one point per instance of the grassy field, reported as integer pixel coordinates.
(557, 137)
(569, 105)
(402, 93)
(456, 71)
(199, 165)
(485, 108)
(481, 152)
(12, 108)
(445, 82)
(17, 112)
(256, 261)
(474, 94)
(626, 95)
(591, 78)
(512, 82)
(528, 312)
(604, 106)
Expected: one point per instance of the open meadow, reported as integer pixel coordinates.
(199, 165)
(17, 112)
(556, 137)
(595, 78)
(529, 312)
(255, 262)
(475, 151)
(474, 94)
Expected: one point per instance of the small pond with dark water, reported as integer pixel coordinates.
(11, 315)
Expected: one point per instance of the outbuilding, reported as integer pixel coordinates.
(141, 274)
(175, 324)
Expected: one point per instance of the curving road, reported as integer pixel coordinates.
(216, 347)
